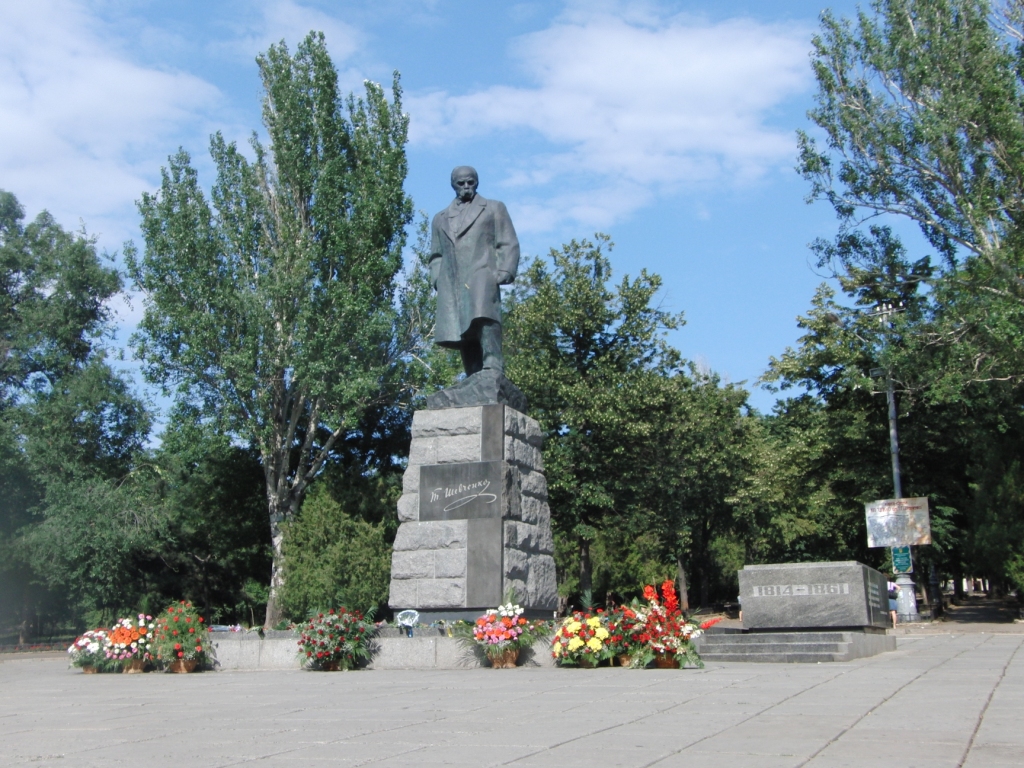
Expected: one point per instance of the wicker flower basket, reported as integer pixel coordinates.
(88, 669)
(663, 660)
(505, 659)
(183, 666)
(134, 667)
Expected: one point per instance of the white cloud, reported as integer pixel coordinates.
(632, 106)
(278, 20)
(83, 130)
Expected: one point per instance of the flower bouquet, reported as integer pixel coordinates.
(334, 640)
(180, 638)
(129, 641)
(628, 640)
(503, 632)
(581, 640)
(670, 636)
(89, 651)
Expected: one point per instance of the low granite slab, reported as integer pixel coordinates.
(427, 649)
(840, 595)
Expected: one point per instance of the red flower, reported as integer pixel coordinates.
(649, 593)
(181, 655)
(200, 619)
(177, 646)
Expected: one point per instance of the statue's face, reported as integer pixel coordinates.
(464, 182)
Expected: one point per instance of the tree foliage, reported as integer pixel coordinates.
(270, 306)
(584, 350)
(921, 104)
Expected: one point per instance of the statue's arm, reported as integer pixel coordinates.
(506, 245)
(435, 254)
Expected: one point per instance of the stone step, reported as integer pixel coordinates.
(775, 648)
(778, 658)
(751, 638)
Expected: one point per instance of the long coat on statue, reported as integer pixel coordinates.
(469, 245)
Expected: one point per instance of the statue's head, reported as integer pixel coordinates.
(464, 182)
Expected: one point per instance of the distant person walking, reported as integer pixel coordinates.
(894, 591)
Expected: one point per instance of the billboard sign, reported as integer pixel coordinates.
(898, 522)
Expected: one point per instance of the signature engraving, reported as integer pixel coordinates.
(448, 492)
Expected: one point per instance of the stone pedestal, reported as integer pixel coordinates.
(474, 515)
(841, 595)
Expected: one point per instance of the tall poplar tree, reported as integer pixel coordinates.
(270, 305)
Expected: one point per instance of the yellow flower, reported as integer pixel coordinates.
(593, 622)
(573, 627)
(602, 633)
(575, 644)
(594, 644)
(558, 650)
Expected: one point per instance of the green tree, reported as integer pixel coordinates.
(587, 354)
(272, 310)
(71, 429)
(333, 559)
(212, 496)
(697, 464)
(922, 107)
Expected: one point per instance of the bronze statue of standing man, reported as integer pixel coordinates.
(473, 250)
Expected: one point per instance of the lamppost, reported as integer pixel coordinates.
(906, 601)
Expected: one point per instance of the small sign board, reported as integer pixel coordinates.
(902, 562)
(898, 522)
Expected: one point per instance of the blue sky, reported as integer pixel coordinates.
(669, 125)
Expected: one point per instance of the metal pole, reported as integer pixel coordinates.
(894, 443)
(906, 601)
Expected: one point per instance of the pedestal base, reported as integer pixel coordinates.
(475, 524)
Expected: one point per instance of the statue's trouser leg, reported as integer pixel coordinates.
(490, 343)
(471, 351)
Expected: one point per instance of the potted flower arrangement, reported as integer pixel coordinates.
(503, 632)
(334, 640)
(128, 643)
(581, 640)
(89, 651)
(670, 635)
(180, 638)
(628, 642)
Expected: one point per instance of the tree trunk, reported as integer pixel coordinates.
(705, 591)
(586, 571)
(684, 595)
(958, 587)
(275, 613)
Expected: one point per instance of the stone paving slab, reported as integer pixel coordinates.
(939, 700)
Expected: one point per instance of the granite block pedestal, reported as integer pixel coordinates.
(474, 518)
(788, 596)
(807, 612)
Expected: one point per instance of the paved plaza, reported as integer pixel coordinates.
(940, 700)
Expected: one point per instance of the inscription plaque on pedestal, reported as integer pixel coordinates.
(461, 491)
(470, 492)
